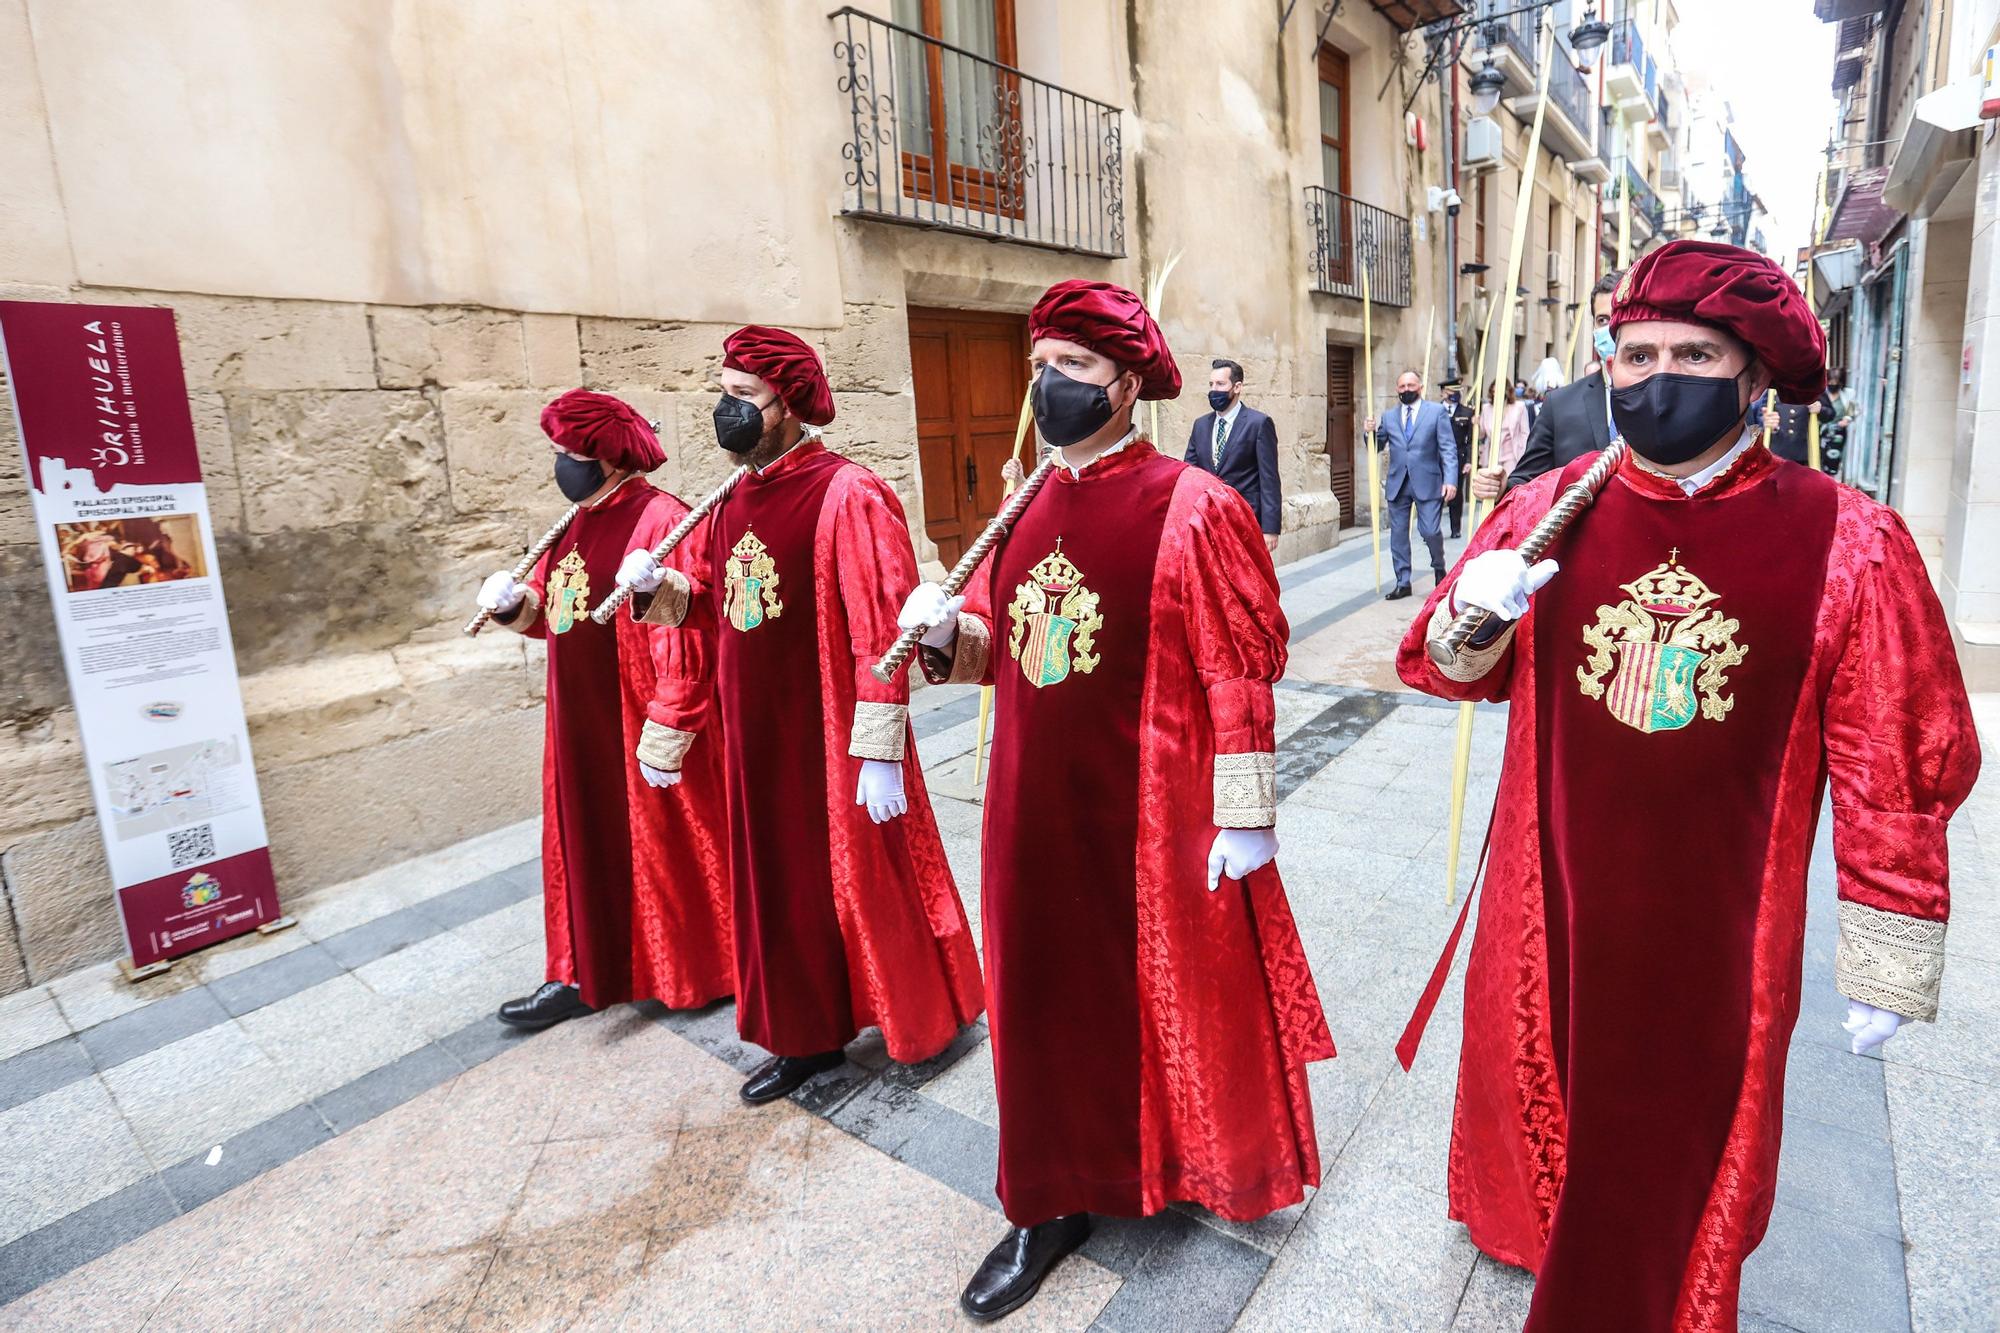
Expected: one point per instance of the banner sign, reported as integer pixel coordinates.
(122, 517)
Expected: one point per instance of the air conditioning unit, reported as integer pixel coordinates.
(1482, 145)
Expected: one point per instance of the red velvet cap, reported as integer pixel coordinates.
(599, 426)
(1728, 287)
(783, 361)
(1111, 322)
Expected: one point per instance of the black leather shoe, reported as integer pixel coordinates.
(1437, 577)
(1402, 591)
(786, 1074)
(1013, 1272)
(547, 1007)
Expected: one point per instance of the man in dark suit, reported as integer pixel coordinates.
(1240, 445)
(1422, 471)
(1453, 398)
(1574, 420)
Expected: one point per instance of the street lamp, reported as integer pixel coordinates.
(1588, 37)
(1485, 85)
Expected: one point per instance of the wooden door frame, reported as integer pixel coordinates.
(966, 185)
(1335, 68)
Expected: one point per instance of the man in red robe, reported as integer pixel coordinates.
(635, 886)
(1150, 1033)
(1728, 634)
(846, 914)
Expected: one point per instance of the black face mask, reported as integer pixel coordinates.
(1669, 419)
(578, 478)
(1219, 399)
(739, 424)
(1408, 397)
(1069, 411)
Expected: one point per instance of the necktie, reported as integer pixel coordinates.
(1409, 423)
(1221, 438)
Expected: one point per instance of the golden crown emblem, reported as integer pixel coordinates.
(1055, 573)
(1669, 590)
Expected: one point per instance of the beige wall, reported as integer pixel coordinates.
(392, 229)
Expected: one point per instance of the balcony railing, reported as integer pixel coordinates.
(1572, 94)
(1645, 201)
(946, 138)
(1629, 48)
(1348, 235)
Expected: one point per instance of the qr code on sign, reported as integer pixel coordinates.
(190, 846)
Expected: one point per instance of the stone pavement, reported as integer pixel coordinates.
(326, 1128)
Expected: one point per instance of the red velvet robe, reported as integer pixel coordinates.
(1680, 696)
(841, 924)
(634, 880)
(1149, 1038)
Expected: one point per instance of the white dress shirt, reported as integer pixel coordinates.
(1700, 481)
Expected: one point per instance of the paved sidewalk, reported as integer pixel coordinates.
(389, 1154)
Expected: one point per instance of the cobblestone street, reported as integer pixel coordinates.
(328, 1127)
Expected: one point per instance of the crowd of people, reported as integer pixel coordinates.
(733, 803)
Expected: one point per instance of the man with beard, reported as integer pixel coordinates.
(634, 885)
(1152, 1012)
(1729, 634)
(846, 914)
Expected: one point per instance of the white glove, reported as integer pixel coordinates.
(1868, 1027)
(928, 609)
(1238, 851)
(659, 777)
(1500, 582)
(881, 790)
(500, 594)
(640, 572)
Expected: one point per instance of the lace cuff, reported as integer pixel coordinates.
(663, 747)
(1891, 961)
(1471, 663)
(879, 731)
(667, 605)
(965, 663)
(1246, 790)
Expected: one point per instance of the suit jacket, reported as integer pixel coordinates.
(1572, 423)
(1249, 461)
(1426, 460)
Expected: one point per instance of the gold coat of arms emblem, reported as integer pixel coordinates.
(1055, 622)
(568, 593)
(1670, 649)
(750, 589)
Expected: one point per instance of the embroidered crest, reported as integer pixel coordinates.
(1672, 652)
(750, 591)
(1624, 292)
(569, 592)
(1055, 622)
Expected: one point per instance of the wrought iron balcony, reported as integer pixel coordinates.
(1349, 235)
(1646, 206)
(948, 139)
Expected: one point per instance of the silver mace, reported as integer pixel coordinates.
(623, 593)
(520, 571)
(899, 652)
(1576, 497)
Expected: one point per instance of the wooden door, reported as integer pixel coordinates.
(971, 371)
(1340, 427)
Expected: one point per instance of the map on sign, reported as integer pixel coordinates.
(170, 788)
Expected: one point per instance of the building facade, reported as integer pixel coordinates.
(391, 233)
(1903, 274)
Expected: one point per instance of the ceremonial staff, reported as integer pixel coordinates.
(1523, 195)
(1576, 498)
(623, 593)
(1368, 407)
(961, 574)
(520, 571)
